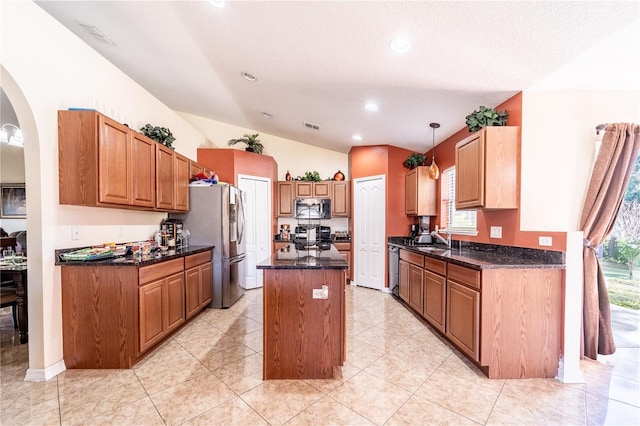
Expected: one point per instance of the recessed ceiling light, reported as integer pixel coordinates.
(400, 45)
(219, 4)
(267, 115)
(249, 77)
(370, 106)
(357, 137)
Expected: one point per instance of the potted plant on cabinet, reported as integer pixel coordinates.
(159, 134)
(484, 116)
(415, 160)
(252, 141)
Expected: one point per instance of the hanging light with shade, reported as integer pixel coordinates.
(434, 171)
(11, 134)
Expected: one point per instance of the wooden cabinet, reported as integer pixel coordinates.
(487, 169)
(416, 296)
(420, 193)
(410, 279)
(112, 315)
(103, 163)
(313, 189)
(340, 198)
(435, 292)
(172, 180)
(345, 250)
(403, 280)
(198, 276)
(161, 301)
(197, 168)
(463, 318)
(286, 197)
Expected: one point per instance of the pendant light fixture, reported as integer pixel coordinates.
(434, 171)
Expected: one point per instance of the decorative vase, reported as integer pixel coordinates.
(338, 176)
(249, 149)
(288, 176)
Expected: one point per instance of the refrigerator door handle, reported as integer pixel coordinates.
(237, 259)
(240, 218)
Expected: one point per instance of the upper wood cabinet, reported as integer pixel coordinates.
(487, 169)
(313, 189)
(286, 197)
(197, 168)
(420, 193)
(340, 198)
(104, 163)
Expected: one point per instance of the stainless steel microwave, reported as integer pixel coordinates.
(313, 208)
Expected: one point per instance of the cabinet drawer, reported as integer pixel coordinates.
(342, 246)
(415, 258)
(160, 270)
(197, 259)
(435, 265)
(463, 275)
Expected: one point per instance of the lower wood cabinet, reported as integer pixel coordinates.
(403, 280)
(345, 251)
(416, 295)
(112, 315)
(435, 294)
(463, 318)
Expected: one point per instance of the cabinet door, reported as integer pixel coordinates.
(192, 291)
(411, 191)
(470, 173)
(285, 199)
(143, 171)
(340, 199)
(322, 189)
(152, 321)
(304, 189)
(206, 284)
(114, 162)
(346, 255)
(175, 301)
(416, 296)
(165, 197)
(181, 182)
(403, 280)
(463, 318)
(434, 299)
(195, 169)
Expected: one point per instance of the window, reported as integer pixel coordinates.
(458, 221)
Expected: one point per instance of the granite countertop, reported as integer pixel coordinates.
(146, 260)
(485, 256)
(304, 259)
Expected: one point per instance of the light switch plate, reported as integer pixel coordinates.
(496, 232)
(75, 232)
(545, 241)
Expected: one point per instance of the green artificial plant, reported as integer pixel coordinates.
(252, 142)
(159, 134)
(415, 160)
(484, 116)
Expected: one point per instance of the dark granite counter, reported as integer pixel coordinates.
(304, 259)
(156, 257)
(485, 256)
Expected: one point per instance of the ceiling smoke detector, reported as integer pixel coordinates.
(311, 125)
(94, 32)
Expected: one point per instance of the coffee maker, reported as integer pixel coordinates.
(414, 231)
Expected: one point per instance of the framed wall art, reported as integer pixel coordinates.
(13, 201)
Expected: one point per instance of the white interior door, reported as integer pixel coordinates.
(258, 229)
(369, 231)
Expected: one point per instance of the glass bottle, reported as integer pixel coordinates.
(288, 176)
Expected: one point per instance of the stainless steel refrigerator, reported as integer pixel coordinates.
(217, 217)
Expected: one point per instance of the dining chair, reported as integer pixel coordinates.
(9, 297)
(8, 242)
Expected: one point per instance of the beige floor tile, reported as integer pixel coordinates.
(217, 341)
(253, 340)
(20, 395)
(462, 388)
(230, 413)
(371, 397)
(328, 412)
(215, 360)
(419, 411)
(141, 412)
(87, 393)
(361, 354)
(242, 375)
(384, 339)
(340, 375)
(189, 399)
(538, 401)
(277, 401)
(603, 411)
(236, 327)
(404, 371)
(44, 413)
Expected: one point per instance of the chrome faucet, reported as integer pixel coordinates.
(436, 235)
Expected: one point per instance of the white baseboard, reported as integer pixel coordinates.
(386, 290)
(569, 373)
(42, 375)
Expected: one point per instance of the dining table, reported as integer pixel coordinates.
(15, 274)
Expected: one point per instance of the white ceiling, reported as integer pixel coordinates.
(320, 62)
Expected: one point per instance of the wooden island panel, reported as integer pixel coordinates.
(304, 337)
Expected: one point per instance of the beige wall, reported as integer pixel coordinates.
(290, 155)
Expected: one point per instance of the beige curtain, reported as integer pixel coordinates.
(609, 181)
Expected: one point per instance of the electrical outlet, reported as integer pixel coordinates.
(121, 231)
(496, 232)
(75, 232)
(545, 241)
(317, 293)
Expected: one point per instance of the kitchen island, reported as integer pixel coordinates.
(304, 313)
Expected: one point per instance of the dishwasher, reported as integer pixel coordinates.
(394, 266)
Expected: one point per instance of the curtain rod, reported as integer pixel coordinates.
(600, 127)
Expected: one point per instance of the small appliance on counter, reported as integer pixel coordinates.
(342, 236)
(420, 232)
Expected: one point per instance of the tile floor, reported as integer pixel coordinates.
(398, 372)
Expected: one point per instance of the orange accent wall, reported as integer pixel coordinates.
(508, 219)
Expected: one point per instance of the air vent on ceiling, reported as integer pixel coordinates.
(311, 125)
(94, 32)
